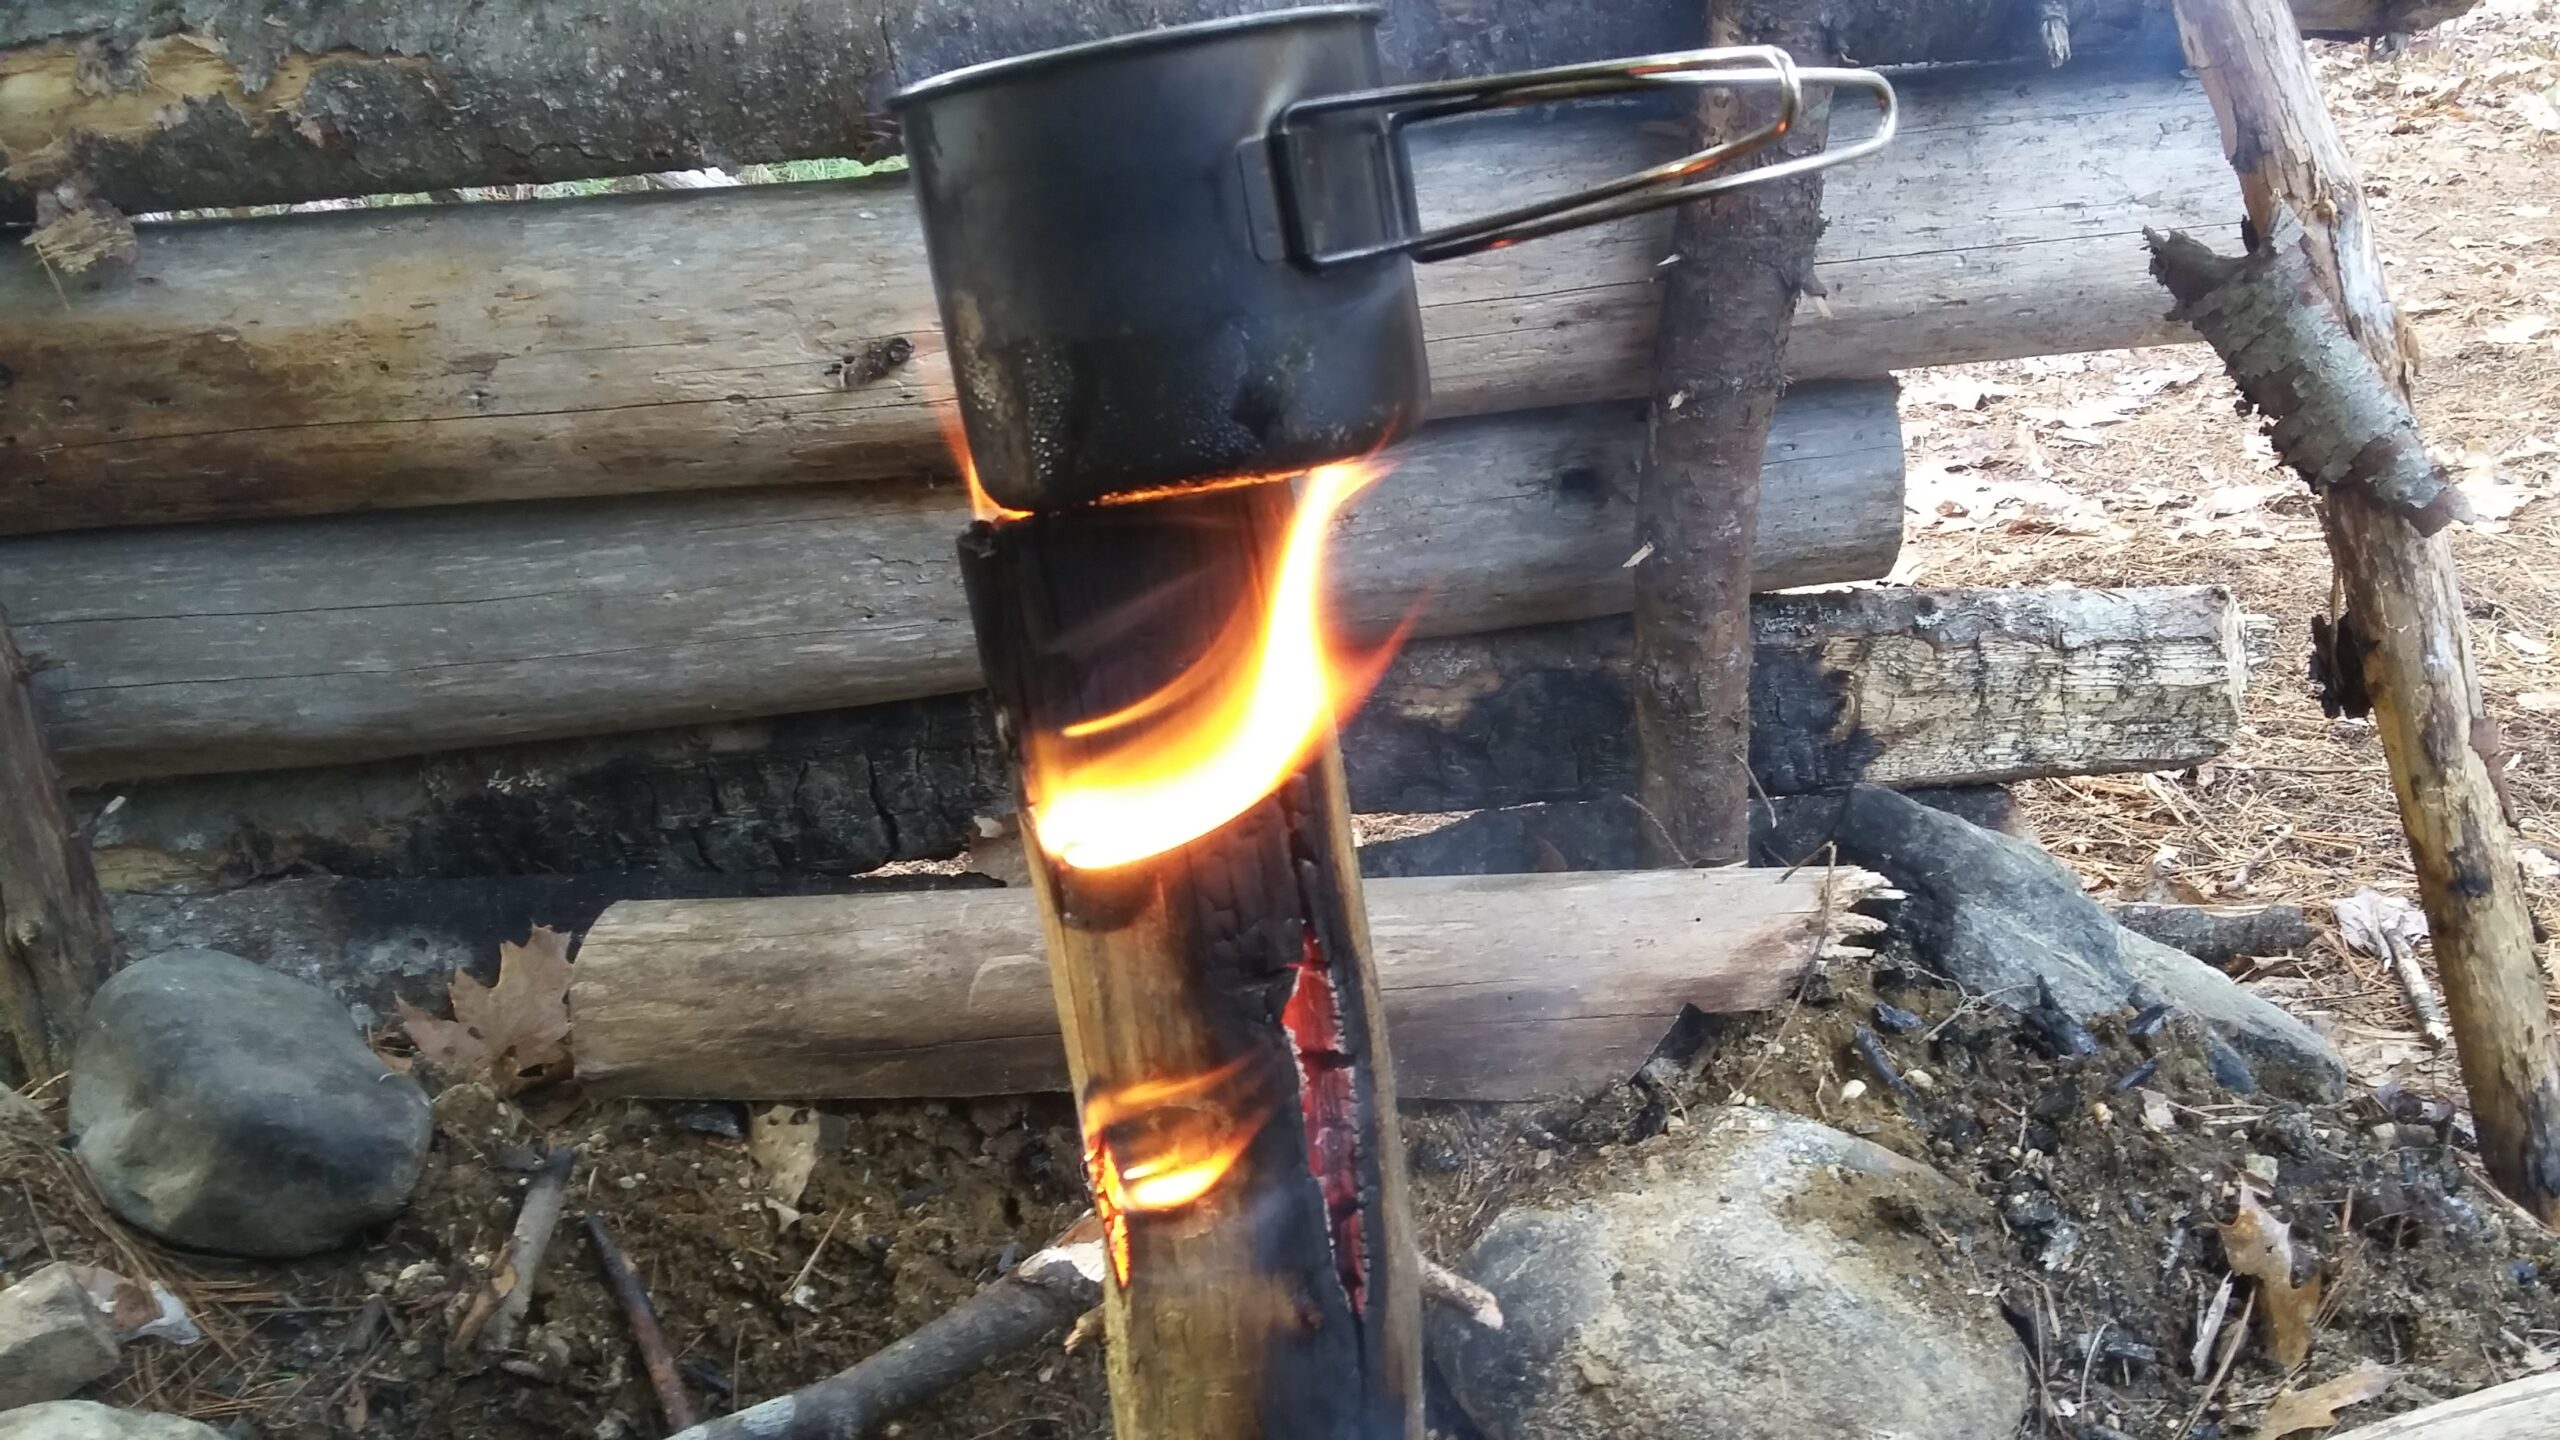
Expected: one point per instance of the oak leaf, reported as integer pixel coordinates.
(515, 1032)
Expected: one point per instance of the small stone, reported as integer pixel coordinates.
(1921, 1079)
(53, 1338)
(231, 1108)
(2262, 1166)
(1853, 1089)
(84, 1420)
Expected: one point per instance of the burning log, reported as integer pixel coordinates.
(1514, 987)
(1161, 673)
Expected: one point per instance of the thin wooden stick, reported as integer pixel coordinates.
(501, 1304)
(643, 1318)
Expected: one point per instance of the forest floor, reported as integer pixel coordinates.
(2114, 469)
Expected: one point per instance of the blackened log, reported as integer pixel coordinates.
(2219, 934)
(1910, 688)
(227, 102)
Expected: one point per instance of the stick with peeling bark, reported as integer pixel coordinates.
(1221, 1018)
(2304, 323)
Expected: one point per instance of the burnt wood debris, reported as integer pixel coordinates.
(57, 942)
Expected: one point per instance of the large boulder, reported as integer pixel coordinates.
(234, 1109)
(81, 1420)
(1760, 1275)
(53, 1338)
(2007, 921)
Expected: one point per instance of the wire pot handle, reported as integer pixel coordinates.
(1670, 183)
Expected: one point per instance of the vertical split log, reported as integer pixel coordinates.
(57, 945)
(1221, 1016)
(2306, 326)
(1739, 260)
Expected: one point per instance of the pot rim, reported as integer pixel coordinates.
(1165, 37)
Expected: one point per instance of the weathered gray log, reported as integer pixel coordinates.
(2050, 683)
(786, 334)
(227, 102)
(1500, 988)
(2219, 934)
(258, 645)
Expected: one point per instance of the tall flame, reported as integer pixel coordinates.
(1226, 732)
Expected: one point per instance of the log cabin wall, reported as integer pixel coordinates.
(615, 533)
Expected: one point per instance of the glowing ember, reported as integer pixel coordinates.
(1329, 1102)
(1161, 1145)
(1223, 734)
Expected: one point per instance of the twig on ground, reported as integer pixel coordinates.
(2423, 1001)
(643, 1318)
(1058, 1288)
(501, 1304)
(2222, 1370)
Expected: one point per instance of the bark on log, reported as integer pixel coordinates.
(222, 102)
(1928, 688)
(2218, 934)
(57, 944)
(2288, 320)
(1738, 261)
(1496, 988)
(263, 645)
(2527, 1409)
(786, 334)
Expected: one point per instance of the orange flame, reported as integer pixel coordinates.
(982, 506)
(1226, 732)
(1181, 1139)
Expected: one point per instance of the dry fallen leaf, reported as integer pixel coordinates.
(516, 1031)
(2519, 331)
(2317, 1408)
(783, 1140)
(2540, 702)
(2368, 916)
(2258, 1245)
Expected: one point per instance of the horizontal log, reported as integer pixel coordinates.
(227, 102)
(1461, 724)
(1501, 988)
(269, 644)
(787, 334)
(2527, 1409)
(1893, 687)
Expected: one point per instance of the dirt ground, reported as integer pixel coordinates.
(2104, 470)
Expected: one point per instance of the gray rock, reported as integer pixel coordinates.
(1997, 915)
(81, 1420)
(1748, 1279)
(230, 1108)
(53, 1338)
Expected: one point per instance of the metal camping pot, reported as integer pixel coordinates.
(1186, 255)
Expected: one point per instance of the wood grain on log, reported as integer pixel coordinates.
(258, 645)
(224, 102)
(1927, 688)
(786, 334)
(2400, 643)
(1496, 988)
(2527, 1409)
(57, 943)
